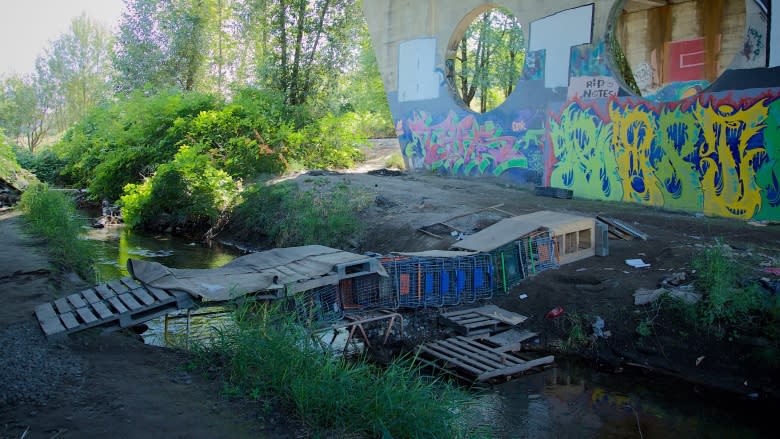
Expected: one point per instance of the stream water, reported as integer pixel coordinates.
(569, 400)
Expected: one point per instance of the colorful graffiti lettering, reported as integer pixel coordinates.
(707, 154)
(464, 146)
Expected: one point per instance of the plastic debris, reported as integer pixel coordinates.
(555, 312)
(523, 296)
(637, 263)
(598, 327)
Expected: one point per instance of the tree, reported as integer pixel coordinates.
(489, 60)
(23, 111)
(162, 44)
(74, 71)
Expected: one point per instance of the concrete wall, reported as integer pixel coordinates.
(572, 123)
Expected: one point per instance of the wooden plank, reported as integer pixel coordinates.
(130, 282)
(62, 305)
(457, 313)
(117, 304)
(466, 353)
(48, 319)
(516, 369)
(488, 352)
(117, 286)
(142, 295)
(501, 315)
(102, 310)
(130, 301)
(90, 296)
(86, 315)
(455, 361)
(511, 336)
(69, 319)
(158, 293)
(104, 292)
(77, 301)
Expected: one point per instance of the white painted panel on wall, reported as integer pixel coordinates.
(774, 44)
(417, 78)
(557, 34)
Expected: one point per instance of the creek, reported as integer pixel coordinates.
(568, 400)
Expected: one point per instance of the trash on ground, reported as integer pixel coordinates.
(637, 263)
(773, 286)
(523, 296)
(620, 230)
(598, 327)
(772, 270)
(699, 360)
(644, 296)
(675, 279)
(581, 269)
(555, 312)
(553, 192)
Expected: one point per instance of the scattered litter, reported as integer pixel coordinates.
(555, 312)
(607, 334)
(699, 360)
(523, 296)
(773, 286)
(643, 296)
(620, 230)
(641, 254)
(598, 327)
(637, 263)
(675, 279)
(581, 269)
(772, 270)
(609, 268)
(626, 272)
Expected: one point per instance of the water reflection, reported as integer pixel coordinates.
(571, 401)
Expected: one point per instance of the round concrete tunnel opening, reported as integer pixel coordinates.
(485, 58)
(671, 50)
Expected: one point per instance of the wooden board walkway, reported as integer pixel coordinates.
(477, 359)
(120, 303)
(482, 320)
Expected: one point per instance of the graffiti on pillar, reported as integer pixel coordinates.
(556, 35)
(711, 154)
(774, 32)
(464, 145)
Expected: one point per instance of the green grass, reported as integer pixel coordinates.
(577, 335)
(395, 161)
(267, 356)
(729, 300)
(289, 216)
(52, 216)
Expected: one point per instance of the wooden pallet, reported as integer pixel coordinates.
(478, 360)
(482, 320)
(120, 303)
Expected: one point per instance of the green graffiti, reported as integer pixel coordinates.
(768, 176)
(584, 160)
(677, 137)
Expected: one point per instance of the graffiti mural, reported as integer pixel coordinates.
(465, 146)
(707, 154)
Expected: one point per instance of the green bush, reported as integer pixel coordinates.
(268, 355)
(289, 216)
(45, 164)
(188, 192)
(52, 215)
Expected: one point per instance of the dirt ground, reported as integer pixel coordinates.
(118, 386)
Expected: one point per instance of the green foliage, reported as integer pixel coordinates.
(577, 337)
(395, 161)
(189, 191)
(329, 142)
(45, 164)
(727, 302)
(268, 355)
(289, 216)
(52, 215)
(10, 170)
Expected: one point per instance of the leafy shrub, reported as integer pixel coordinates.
(290, 217)
(330, 142)
(188, 192)
(52, 215)
(45, 164)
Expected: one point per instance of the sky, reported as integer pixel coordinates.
(27, 26)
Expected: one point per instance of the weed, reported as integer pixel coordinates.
(52, 215)
(645, 327)
(577, 337)
(267, 354)
(395, 161)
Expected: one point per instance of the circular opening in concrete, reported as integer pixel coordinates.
(670, 50)
(485, 58)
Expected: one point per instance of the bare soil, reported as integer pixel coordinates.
(114, 385)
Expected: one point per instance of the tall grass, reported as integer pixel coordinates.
(52, 216)
(289, 216)
(266, 354)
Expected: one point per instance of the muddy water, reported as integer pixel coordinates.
(568, 401)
